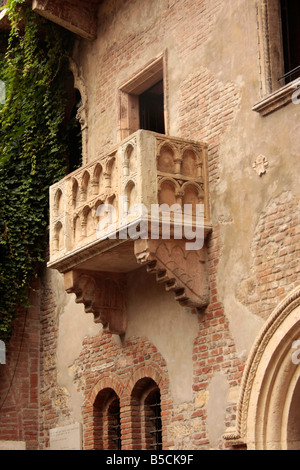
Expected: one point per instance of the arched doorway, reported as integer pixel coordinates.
(293, 424)
(268, 412)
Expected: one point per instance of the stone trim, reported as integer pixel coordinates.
(271, 61)
(271, 327)
(129, 91)
(132, 436)
(12, 445)
(276, 100)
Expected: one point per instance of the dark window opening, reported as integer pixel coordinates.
(153, 421)
(146, 415)
(114, 425)
(72, 128)
(107, 421)
(74, 136)
(151, 109)
(290, 16)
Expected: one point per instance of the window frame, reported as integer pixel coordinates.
(129, 92)
(152, 419)
(103, 422)
(271, 59)
(142, 416)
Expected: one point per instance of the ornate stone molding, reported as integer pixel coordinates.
(274, 93)
(280, 328)
(276, 100)
(271, 61)
(102, 294)
(180, 271)
(260, 165)
(145, 170)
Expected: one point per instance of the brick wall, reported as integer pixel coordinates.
(54, 400)
(214, 349)
(120, 367)
(205, 107)
(275, 269)
(19, 379)
(184, 24)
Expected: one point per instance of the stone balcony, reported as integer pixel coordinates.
(97, 235)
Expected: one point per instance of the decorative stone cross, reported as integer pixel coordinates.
(260, 165)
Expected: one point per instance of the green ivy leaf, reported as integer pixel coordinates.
(33, 146)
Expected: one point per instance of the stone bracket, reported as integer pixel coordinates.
(76, 16)
(102, 294)
(182, 272)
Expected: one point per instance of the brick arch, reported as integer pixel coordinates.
(141, 382)
(271, 383)
(91, 414)
(146, 371)
(107, 380)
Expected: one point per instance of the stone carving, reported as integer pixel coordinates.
(251, 380)
(146, 169)
(180, 173)
(127, 171)
(182, 272)
(72, 15)
(101, 294)
(260, 165)
(74, 203)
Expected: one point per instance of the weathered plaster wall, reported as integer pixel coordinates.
(213, 82)
(152, 312)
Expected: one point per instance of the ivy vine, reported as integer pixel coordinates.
(33, 148)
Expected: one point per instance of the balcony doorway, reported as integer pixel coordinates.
(143, 101)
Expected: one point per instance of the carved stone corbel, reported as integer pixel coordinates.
(182, 272)
(101, 294)
(78, 17)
